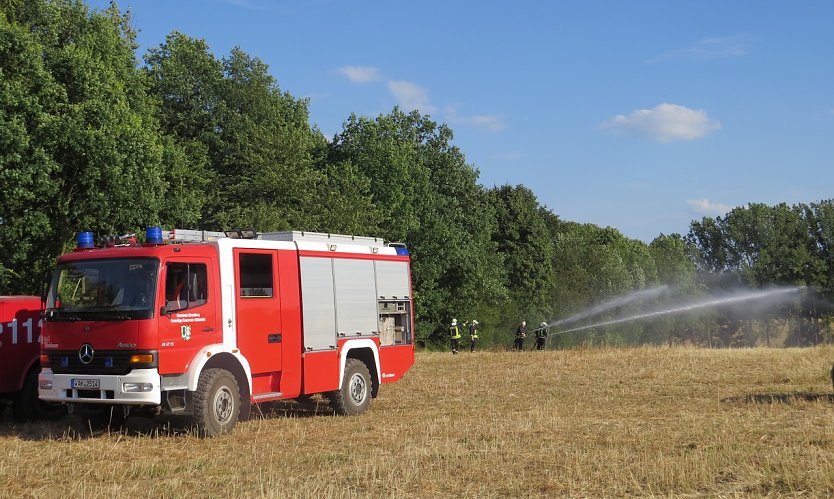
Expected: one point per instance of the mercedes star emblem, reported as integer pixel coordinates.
(85, 353)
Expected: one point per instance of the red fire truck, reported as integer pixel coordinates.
(207, 324)
(20, 331)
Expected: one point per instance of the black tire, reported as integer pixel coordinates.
(355, 395)
(216, 403)
(28, 407)
(832, 376)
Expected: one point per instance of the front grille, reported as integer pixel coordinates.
(104, 361)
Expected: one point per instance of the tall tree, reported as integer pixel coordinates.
(523, 238)
(251, 144)
(427, 196)
(249, 155)
(81, 148)
(185, 79)
(673, 260)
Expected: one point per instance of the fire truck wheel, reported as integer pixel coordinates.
(832, 376)
(216, 402)
(355, 395)
(27, 405)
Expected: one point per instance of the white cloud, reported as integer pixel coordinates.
(491, 122)
(359, 74)
(707, 207)
(665, 123)
(411, 96)
(717, 47)
(488, 122)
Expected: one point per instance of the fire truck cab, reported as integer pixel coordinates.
(208, 328)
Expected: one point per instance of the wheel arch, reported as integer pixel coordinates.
(232, 362)
(35, 365)
(367, 352)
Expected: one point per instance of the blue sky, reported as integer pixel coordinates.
(638, 115)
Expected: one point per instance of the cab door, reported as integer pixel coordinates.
(190, 297)
(257, 304)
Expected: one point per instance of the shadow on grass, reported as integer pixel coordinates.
(780, 398)
(77, 428)
(314, 406)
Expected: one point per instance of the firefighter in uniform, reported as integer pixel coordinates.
(541, 336)
(473, 335)
(454, 334)
(520, 334)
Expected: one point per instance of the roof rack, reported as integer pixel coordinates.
(190, 236)
(294, 235)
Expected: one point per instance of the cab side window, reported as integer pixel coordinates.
(185, 285)
(255, 275)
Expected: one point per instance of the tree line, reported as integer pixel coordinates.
(95, 137)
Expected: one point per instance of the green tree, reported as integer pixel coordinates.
(185, 79)
(673, 260)
(523, 238)
(428, 197)
(80, 144)
(770, 244)
(251, 149)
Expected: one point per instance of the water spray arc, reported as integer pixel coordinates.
(712, 302)
(643, 294)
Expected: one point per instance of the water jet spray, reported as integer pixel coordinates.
(712, 302)
(642, 294)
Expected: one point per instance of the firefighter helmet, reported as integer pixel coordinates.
(543, 324)
(454, 322)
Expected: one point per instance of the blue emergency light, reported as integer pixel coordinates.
(85, 240)
(153, 235)
(400, 249)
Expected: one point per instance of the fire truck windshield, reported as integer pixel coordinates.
(106, 289)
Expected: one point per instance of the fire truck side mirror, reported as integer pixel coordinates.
(45, 281)
(163, 310)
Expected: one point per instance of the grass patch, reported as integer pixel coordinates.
(601, 422)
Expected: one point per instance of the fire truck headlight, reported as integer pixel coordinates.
(136, 387)
(45, 384)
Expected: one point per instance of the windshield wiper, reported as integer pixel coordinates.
(58, 314)
(109, 314)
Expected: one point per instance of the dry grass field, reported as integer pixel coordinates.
(610, 422)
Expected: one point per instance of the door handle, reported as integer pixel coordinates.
(208, 329)
(273, 338)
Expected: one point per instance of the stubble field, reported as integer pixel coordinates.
(646, 421)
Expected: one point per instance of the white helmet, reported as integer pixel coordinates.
(454, 322)
(474, 322)
(543, 324)
(523, 323)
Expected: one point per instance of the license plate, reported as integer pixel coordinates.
(85, 384)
